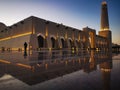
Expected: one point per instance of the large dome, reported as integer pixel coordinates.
(2, 26)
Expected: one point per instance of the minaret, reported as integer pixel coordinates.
(104, 17)
(104, 27)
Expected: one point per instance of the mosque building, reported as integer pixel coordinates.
(40, 34)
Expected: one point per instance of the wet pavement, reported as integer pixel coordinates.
(59, 70)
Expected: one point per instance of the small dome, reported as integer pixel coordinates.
(2, 26)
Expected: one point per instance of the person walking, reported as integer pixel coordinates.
(25, 46)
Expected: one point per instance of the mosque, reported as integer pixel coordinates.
(40, 34)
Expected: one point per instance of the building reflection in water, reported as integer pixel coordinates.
(44, 66)
(106, 72)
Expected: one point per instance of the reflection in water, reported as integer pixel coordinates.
(25, 54)
(106, 73)
(44, 66)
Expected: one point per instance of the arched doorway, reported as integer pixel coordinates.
(70, 43)
(77, 42)
(63, 43)
(40, 41)
(53, 42)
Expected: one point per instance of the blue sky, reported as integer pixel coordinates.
(75, 13)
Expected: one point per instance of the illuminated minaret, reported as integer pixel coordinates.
(104, 17)
(104, 27)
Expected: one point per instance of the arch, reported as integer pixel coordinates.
(77, 42)
(63, 42)
(40, 34)
(40, 41)
(70, 41)
(52, 36)
(53, 41)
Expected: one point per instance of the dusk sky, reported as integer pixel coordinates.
(74, 13)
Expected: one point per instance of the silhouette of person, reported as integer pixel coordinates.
(25, 46)
(25, 50)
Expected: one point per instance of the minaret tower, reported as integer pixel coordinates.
(104, 17)
(104, 27)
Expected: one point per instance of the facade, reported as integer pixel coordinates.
(40, 34)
